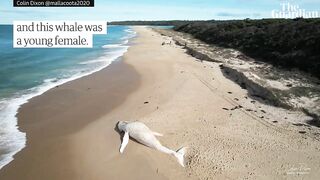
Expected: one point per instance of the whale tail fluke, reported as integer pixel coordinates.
(180, 155)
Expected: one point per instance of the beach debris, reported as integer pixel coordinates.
(230, 92)
(302, 132)
(236, 107)
(253, 102)
(297, 124)
(248, 110)
(225, 109)
(263, 111)
(274, 121)
(146, 102)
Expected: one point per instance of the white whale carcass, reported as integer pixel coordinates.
(141, 133)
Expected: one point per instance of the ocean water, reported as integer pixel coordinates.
(26, 73)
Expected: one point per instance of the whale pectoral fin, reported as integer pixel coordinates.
(125, 141)
(157, 134)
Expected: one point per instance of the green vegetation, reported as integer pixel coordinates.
(290, 44)
(149, 23)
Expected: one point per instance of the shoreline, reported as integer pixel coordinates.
(30, 114)
(14, 140)
(72, 132)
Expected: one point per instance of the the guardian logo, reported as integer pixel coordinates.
(291, 11)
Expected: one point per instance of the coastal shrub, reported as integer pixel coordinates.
(285, 43)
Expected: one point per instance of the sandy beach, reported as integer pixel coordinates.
(71, 128)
